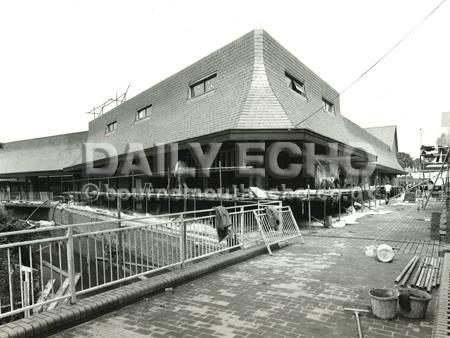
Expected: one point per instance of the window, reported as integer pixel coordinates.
(111, 127)
(144, 113)
(328, 106)
(296, 85)
(203, 86)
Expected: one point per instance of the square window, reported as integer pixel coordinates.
(296, 85)
(111, 127)
(328, 106)
(144, 113)
(198, 89)
(203, 86)
(210, 84)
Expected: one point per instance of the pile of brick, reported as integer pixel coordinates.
(410, 197)
(445, 224)
(435, 225)
(439, 222)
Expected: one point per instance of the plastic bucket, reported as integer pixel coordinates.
(384, 303)
(413, 303)
(385, 253)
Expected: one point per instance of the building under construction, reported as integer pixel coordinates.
(251, 90)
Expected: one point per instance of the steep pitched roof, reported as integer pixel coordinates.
(175, 116)
(251, 93)
(307, 113)
(242, 99)
(386, 156)
(387, 134)
(278, 61)
(261, 108)
(44, 154)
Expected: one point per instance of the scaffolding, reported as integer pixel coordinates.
(97, 111)
(432, 159)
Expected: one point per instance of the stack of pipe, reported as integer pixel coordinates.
(427, 275)
(403, 277)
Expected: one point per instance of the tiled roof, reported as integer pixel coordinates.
(386, 157)
(261, 108)
(250, 93)
(387, 134)
(278, 60)
(44, 154)
(176, 117)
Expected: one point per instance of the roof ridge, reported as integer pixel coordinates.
(387, 134)
(386, 126)
(45, 137)
(261, 104)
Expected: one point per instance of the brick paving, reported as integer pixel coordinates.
(300, 291)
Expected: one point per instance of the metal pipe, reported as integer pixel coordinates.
(183, 244)
(406, 268)
(309, 210)
(429, 284)
(435, 271)
(422, 272)
(441, 261)
(432, 278)
(339, 202)
(404, 281)
(427, 274)
(416, 275)
(71, 265)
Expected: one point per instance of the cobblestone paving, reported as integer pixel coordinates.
(300, 291)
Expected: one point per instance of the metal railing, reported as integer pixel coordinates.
(281, 229)
(33, 196)
(46, 267)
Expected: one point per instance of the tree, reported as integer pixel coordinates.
(11, 261)
(443, 140)
(405, 160)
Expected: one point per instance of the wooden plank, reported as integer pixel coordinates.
(66, 300)
(56, 269)
(44, 295)
(63, 290)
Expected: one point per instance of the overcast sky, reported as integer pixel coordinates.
(60, 58)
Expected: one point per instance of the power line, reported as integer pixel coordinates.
(377, 62)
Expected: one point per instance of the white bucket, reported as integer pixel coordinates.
(385, 253)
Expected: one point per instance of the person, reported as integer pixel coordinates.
(388, 188)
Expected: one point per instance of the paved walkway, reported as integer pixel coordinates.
(300, 291)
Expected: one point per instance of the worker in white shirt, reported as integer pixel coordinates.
(388, 188)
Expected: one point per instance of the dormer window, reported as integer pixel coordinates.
(144, 113)
(295, 85)
(111, 127)
(328, 106)
(203, 86)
